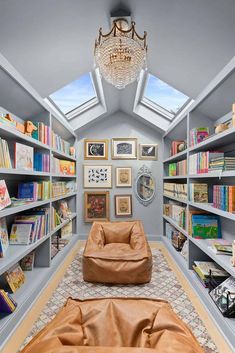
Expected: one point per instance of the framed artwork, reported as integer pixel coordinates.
(97, 176)
(124, 148)
(96, 149)
(123, 177)
(123, 205)
(148, 151)
(96, 206)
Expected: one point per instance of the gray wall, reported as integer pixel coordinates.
(122, 125)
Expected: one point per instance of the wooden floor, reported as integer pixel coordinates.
(21, 333)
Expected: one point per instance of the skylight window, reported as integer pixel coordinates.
(75, 94)
(164, 96)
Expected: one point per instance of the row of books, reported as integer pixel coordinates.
(198, 134)
(200, 162)
(61, 188)
(43, 133)
(224, 197)
(61, 145)
(178, 168)
(198, 192)
(41, 162)
(63, 167)
(176, 190)
(5, 159)
(177, 146)
(175, 212)
(222, 163)
(35, 191)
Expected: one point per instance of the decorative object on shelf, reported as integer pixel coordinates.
(97, 176)
(15, 277)
(123, 205)
(121, 53)
(95, 149)
(72, 151)
(123, 177)
(96, 206)
(124, 148)
(23, 157)
(64, 211)
(4, 242)
(67, 231)
(221, 127)
(148, 151)
(178, 239)
(144, 186)
(4, 195)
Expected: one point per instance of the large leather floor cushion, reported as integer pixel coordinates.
(115, 325)
(117, 252)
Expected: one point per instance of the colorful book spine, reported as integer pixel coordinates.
(179, 168)
(224, 197)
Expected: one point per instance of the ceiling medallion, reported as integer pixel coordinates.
(120, 54)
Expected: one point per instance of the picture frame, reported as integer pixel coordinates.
(96, 149)
(124, 148)
(148, 151)
(123, 177)
(96, 206)
(123, 205)
(97, 176)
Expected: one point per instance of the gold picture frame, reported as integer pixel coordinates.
(124, 148)
(96, 149)
(148, 151)
(97, 176)
(96, 206)
(123, 177)
(123, 205)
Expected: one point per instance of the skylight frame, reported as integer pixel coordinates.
(157, 107)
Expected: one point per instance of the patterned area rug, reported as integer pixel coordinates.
(164, 284)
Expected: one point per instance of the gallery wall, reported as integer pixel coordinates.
(122, 125)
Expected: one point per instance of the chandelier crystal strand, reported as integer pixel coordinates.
(120, 54)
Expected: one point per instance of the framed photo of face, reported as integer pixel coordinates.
(96, 206)
(97, 176)
(123, 205)
(123, 177)
(124, 148)
(148, 151)
(96, 149)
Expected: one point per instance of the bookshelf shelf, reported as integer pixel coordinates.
(209, 208)
(173, 223)
(64, 196)
(175, 199)
(73, 215)
(9, 133)
(17, 252)
(64, 155)
(175, 177)
(23, 172)
(30, 291)
(63, 176)
(211, 107)
(16, 209)
(176, 157)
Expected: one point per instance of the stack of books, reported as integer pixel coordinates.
(59, 144)
(63, 167)
(175, 147)
(42, 134)
(14, 277)
(176, 190)
(61, 188)
(199, 162)
(7, 303)
(218, 164)
(41, 162)
(29, 227)
(179, 168)
(198, 192)
(221, 246)
(224, 197)
(35, 191)
(204, 225)
(207, 271)
(198, 134)
(5, 158)
(176, 212)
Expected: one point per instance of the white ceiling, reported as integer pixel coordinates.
(50, 42)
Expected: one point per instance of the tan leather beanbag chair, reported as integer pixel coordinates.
(115, 325)
(117, 252)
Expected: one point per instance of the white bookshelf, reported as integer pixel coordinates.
(210, 107)
(25, 104)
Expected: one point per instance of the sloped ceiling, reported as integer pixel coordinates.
(50, 42)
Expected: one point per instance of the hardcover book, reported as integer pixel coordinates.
(67, 167)
(15, 277)
(4, 195)
(23, 156)
(4, 242)
(20, 234)
(27, 262)
(67, 230)
(7, 304)
(199, 193)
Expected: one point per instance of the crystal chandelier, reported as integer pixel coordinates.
(121, 53)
